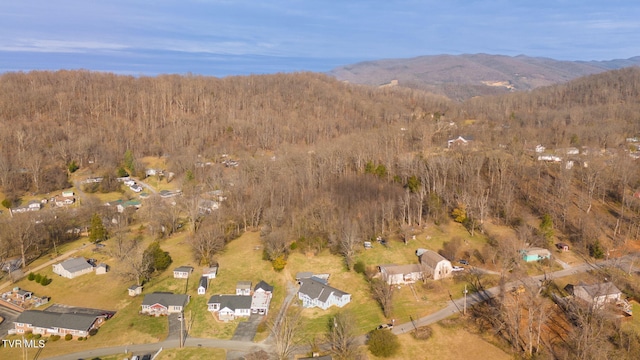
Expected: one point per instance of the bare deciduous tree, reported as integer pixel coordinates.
(286, 333)
(342, 336)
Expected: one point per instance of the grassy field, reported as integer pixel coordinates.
(448, 342)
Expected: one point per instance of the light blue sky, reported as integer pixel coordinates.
(220, 37)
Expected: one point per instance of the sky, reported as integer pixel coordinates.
(238, 37)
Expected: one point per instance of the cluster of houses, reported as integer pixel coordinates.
(66, 198)
(225, 307)
(74, 267)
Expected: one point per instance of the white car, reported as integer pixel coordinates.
(457, 268)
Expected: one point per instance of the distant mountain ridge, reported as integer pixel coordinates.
(463, 76)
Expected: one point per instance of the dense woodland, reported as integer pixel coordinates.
(327, 164)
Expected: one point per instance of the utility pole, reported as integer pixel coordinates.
(181, 329)
(464, 309)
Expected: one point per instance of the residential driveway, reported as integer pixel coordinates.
(246, 330)
(174, 327)
(9, 316)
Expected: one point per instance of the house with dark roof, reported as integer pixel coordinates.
(261, 298)
(182, 272)
(434, 265)
(161, 303)
(243, 288)
(229, 307)
(203, 285)
(316, 294)
(73, 267)
(53, 323)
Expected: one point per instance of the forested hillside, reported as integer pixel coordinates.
(461, 77)
(329, 164)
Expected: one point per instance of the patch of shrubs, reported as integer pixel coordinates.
(93, 332)
(54, 337)
(422, 333)
(383, 343)
(40, 279)
(68, 337)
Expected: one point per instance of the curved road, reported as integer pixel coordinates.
(248, 346)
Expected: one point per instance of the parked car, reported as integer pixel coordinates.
(385, 326)
(463, 262)
(457, 268)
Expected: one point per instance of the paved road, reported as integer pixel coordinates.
(9, 316)
(242, 346)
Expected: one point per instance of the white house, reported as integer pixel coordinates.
(73, 267)
(61, 201)
(597, 295)
(401, 274)
(203, 285)
(230, 307)
(164, 303)
(459, 141)
(182, 272)
(316, 294)
(243, 288)
(261, 298)
(434, 264)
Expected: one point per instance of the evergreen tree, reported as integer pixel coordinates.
(97, 232)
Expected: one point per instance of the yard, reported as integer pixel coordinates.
(453, 341)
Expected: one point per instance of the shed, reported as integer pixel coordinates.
(102, 269)
(135, 290)
(203, 285)
(182, 272)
